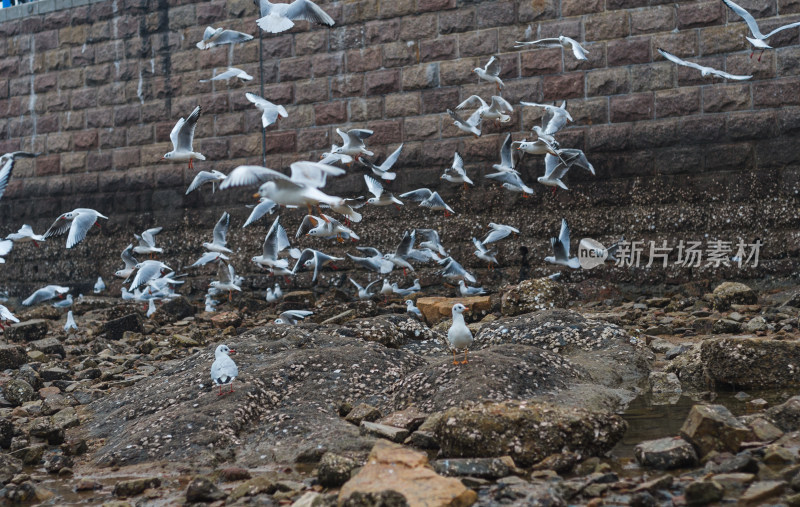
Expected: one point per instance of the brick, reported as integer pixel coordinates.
(314, 90)
(57, 143)
(459, 71)
(443, 48)
(435, 5)
(654, 76)
(246, 146)
(399, 54)
(362, 60)
(330, 112)
(633, 107)
(358, 12)
(127, 115)
(777, 93)
(365, 109)
(46, 40)
(748, 125)
(377, 32)
(789, 6)
(459, 20)
(396, 8)
(536, 10)
(402, 104)
(656, 19)
(728, 97)
(540, 61)
(327, 64)
(589, 111)
(578, 7)
(608, 25)
(684, 44)
(307, 43)
(612, 81)
(563, 86)
(292, 69)
(728, 157)
(423, 26)
(654, 134)
(701, 129)
(278, 93)
(478, 43)
(385, 132)
(688, 76)
(625, 4)
(349, 85)
(595, 58)
(47, 165)
(608, 138)
(678, 102)
(124, 158)
(73, 162)
(693, 15)
(491, 14)
(527, 89)
(346, 37)
(723, 39)
(97, 161)
(569, 27)
(439, 100)
(281, 142)
(742, 64)
(421, 127)
(382, 81)
(788, 61)
(84, 140)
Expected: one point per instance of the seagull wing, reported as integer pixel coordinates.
(261, 209)
(233, 37)
(473, 100)
(391, 159)
(728, 76)
(5, 246)
(372, 252)
(201, 178)
(313, 174)
(458, 164)
(308, 11)
(479, 246)
(501, 105)
(419, 195)
(308, 223)
(405, 244)
(781, 28)
(149, 235)
(79, 227)
(224, 272)
(250, 175)
(127, 257)
(5, 174)
(359, 134)
(221, 229)
(563, 236)
(577, 50)
(185, 133)
(748, 18)
(493, 66)
(506, 156)
(559, 252)
(146, 272)
(374, 187)
(680, 61)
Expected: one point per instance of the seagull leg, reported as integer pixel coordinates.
(36, 244)
(191, 166)
(447, 214)
(230, 295)
(404, 272)
(454, 357)
(465, 357)
(762, 54)
(339, 238)
(524, 195)
(553, 191)
(220, 390)
(751, 54)
(465, 186)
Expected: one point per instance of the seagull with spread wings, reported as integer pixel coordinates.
(76, 222)
(561, 41)
(279, 17)
(204, 177)
(490, 72)
(704, 71)
(758, 39)
(7, 167)
(219, 243)
(269, 111)
(182, 137)
(560, 247)
(219, 36)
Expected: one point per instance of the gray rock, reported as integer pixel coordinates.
(51, 374)
(483, 468)
(49, 346)
(729, 293)
(756, 324)
(662, 382)
(334, 470)
(674, 352)
(786, 416)
(726, 326)
(173, 310)
(30, 375)
(714, 428)
(12, 357)
(752, 362)
(135, 486)
(761, 491)
(18, 391)
(534, 295)
(27, 331)
(6, 432)
(666, 453)
(9, 467)
(203, 490)
(383, 431)
(114, 329)
(703, 493)
(363, 412)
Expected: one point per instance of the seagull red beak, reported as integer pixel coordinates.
(231, 352)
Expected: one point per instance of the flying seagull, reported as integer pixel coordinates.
(182, 136)
(704, 71)
(204, 177)
(561, 249)
(77, 222)
(490, 72)
(229, 74)
(758, 40)
(7, 166)
(276, 18)
(561, 41)
(219, 36)
(269, 111)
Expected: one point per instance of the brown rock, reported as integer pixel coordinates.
(714, 428)
(226, 319)
(436, 309)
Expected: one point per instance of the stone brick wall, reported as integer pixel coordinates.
(97, 86)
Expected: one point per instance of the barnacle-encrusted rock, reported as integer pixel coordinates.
(391, 330)
(752, 362)
(533, 295)
(733, 293)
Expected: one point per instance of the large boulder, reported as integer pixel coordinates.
(732, 293)
(396, 475)
(714, 428)
(174, 309)
(752, 362)
(437, 309)
(528, 432)
(665, 453)
(27, 331)
(12, 357)
(18, 391)
(534, 295)
(392, 330)
(115, 328)
(50, 346)
(786, 416)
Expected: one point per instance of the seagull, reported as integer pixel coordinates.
(147, 271)
(151, 308)
(498, 232)
(758, 40)
(291, 317)
(226, 279)
(484, 254)
(429, 199)
(276, 18)
(332, 158)
(25, 234)
(275, 241)
(274, 295)
(386, 290)
(454, 271)
(70, 324)
(353, 143)
(469, 291)
(99, 285)
(458, 335)
(263, 207)
(704, 71)
(7, 167)
(6, 316)
(223, 369)
(269, 111)
(456, 173)
(363, 292)
(182, 136)
(490, 72)
(5, 246)
(540, 146)
(228, 74)
(398, 258)
(219, 243)
(554, 170)
(130, 263)
(382, 198)
(430, 240)
(555, 118)
(310, 258)
(64, 303)
(506, 157)
(412, 309)
(375, 262)
(210, 304)
(77, 222)
(471, 125)
(348, 207)
(511, 181)
(327, 228)
(204, 177)
(208, 257)
(561, 249)
(219, 36)
(499, 109)
(147, 242)
(577, 157)
(413, 289)
(383, 170)
(45, 294)
(561, 41)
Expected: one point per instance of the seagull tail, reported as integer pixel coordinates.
(274, 23)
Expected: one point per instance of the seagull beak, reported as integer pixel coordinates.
(256, 196)
(162, 158)
(231, 352)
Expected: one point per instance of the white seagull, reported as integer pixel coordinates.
(310, 258)
(382, 197)
(456, 172)
(26, 234)
(269, 111)
(226, 280)
(147, 242)
(555, 118)
(263, 207)
(279, 17)
(45, 294)
(220, 241)
(209, 257)
(469, 291)
(704, 71)
(561, 249)
(64, 303)
(7, 167)
(511, 181)
(353, 143)
(490, 72)
(219, 36)
(99, 285)
(430, 240)
(429, 199)
(758, 39)
(454, 271)
(363, 292)
(223, 369)
(70, 324)
(412, 309)
(458, 335)
(484, 254)
(498, 232)
(275, 241)
(204, 177)
(5, 246)
(471, 125)
(6, 316)
(77, 222)
(383, 170)
(375, 262)
(291, 317)
(147, 271)
(232, 72)
(561, 41)
(499, 109)
(130, 263)
(182, 137)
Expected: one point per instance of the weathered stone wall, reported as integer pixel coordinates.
(96, 88)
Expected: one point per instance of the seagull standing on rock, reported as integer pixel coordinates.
(459, 336)
(6, 316)
(223, 369)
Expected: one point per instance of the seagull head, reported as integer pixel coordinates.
(279, 321)
(223, 350)
(458, 307)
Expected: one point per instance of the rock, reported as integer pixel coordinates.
(662, 382)
(363, 412)
(334, 470)
(666, 453)
(57, 462)
(203, 490)
(224, 320)
(174, 309)
(528, 432)
(703, 493)
(180, 340)
(135, 486)
(12, 357)
(742, 462)
(31, 455)
(383, 431)
(690, 369)
(233, 474)
(674, 352)
(756, 324)
(65, 418)
(437, 309)
(49, 346)
(728, 293)
(51, 374)
(752, 362)
(786, 416)
(255, 486)
(763, 430)
(714, 428)
(6, 432)
(663, 482)
(18, 391)
(389, 330)
(314, 499)
(410, 418)
(401, 476)
(734, 483)
(762, 490)
(533, 295)
(726, 326)
(9, 467)
(422, 440)
(561, 463)
(27, 331)
(114, 329)
(483, 468)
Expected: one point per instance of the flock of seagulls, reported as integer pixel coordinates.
(152, 280)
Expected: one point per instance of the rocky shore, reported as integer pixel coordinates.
(362, 405)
